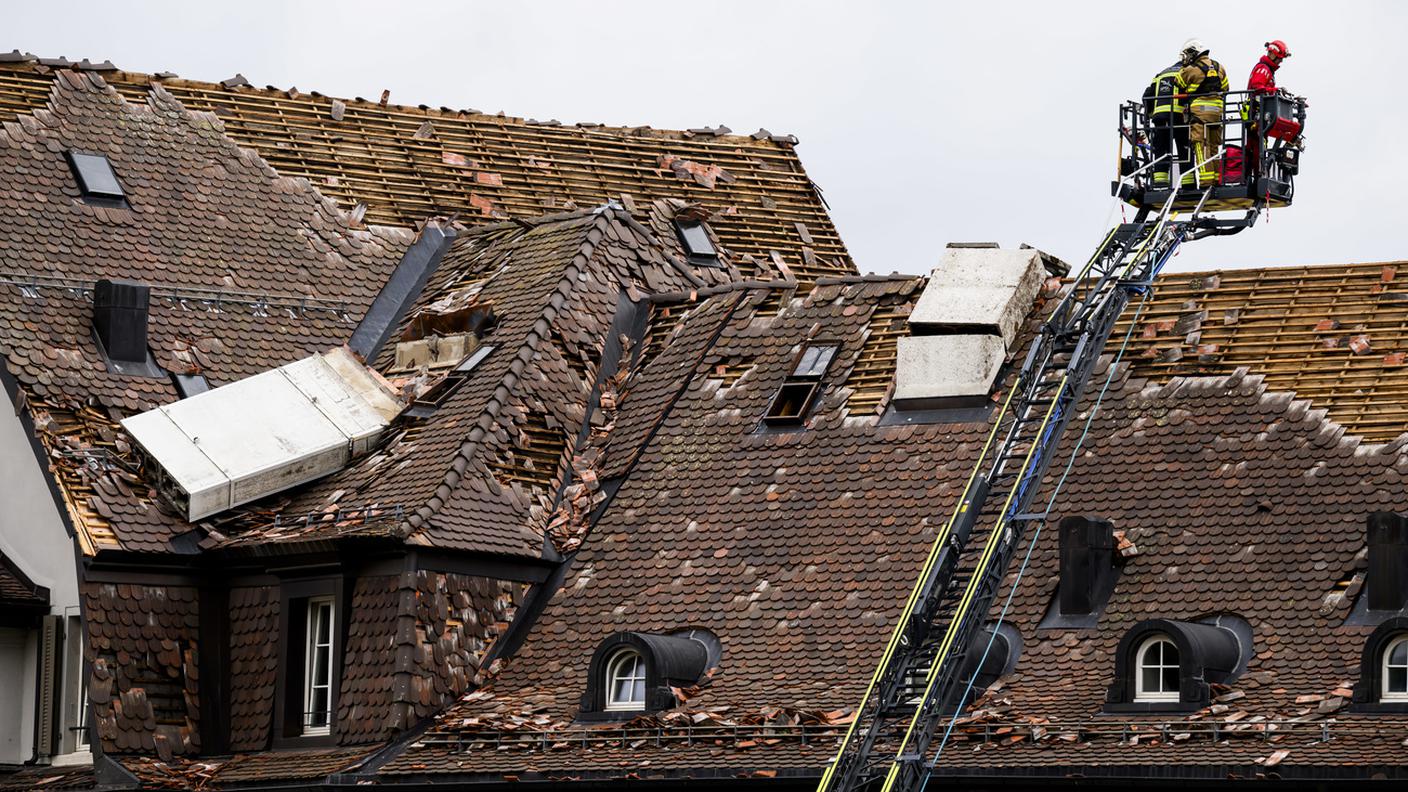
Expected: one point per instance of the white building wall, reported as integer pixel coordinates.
(33, 536)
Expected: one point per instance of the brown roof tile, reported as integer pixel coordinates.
(401, 165)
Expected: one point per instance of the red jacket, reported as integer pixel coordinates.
(1263, 79)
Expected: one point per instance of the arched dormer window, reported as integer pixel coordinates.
(1158, 664)
(1383, 669)
(625, 681)
(1394, 685)
(1166, 666)
(633, 672)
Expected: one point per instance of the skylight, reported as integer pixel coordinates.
(95, 176)
(790, 404)
(814, 361)
(697, 244)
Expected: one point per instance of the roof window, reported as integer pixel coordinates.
(790, 405)
(95, 176)
(695, 238)
(625, 681)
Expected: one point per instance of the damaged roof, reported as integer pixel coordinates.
(1254, 423)
(484, 467)
(795, 549)
(249, 270)
(397, 165)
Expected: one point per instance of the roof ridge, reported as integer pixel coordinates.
(238, 84)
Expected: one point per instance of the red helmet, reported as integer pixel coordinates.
(1277, 49)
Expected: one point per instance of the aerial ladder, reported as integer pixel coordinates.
(926, 673)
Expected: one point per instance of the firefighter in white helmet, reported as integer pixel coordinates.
(1204, 83)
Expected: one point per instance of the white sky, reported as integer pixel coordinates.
(922, 122)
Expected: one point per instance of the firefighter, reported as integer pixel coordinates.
(1205, 86)
(1263, 79)
(1165, 109)
(1261, 83)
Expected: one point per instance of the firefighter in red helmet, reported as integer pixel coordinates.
(1263, 79)
(1262, 83)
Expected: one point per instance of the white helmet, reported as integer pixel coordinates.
(1192, 48)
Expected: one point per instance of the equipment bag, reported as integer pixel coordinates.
(1232, 165)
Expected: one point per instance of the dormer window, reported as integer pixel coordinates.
(313, 613)
(625, 681)
(1158, 670)
(1395, 671)
(95, 176)
(632, 672)
(792, 401)
(1163, 665)
(695, 239)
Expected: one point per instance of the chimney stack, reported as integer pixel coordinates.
(1387, 583)
(1087, 565)
(120, 319)
(964, 325)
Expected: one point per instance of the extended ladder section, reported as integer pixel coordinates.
(927, 666)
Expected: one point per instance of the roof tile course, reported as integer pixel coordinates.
(143, 650)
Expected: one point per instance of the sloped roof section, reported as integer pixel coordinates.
(400, 165)
(1336, 335)
(484, 469)
(249, 270)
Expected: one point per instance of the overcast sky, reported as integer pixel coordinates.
(922, 122)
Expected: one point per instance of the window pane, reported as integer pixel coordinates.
(1150, 679)
(814, 361)
(1170, 656)
(1397, 680)
(1399, 654)
(321, 666)
(324, 623)
(318, 708)
(638, 691)
(696, 239)
(1170, 679)
(96, 175)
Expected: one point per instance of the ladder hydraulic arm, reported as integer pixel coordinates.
(920, 682)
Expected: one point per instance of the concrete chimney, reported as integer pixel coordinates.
(964, 325)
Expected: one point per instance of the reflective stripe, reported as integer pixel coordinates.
(1166, 89)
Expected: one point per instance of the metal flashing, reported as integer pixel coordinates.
(401, 290)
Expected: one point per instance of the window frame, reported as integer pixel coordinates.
(1385, 695)
(313, 646)
(93, 193)
(290, 701)
(1141, 694)
(637, 678)
(704, 257)
(800, 388)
